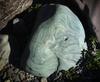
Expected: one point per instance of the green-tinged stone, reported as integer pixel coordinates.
(57, 43)
(7, 81)
(4, 50)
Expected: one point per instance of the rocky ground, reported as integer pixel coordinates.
(13, 74)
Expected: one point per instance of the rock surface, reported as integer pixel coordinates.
(57, 43)
(12, 74)
(4, 50)
(10, 8)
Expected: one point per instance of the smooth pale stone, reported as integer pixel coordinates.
(16, 20)
(4, 50)
(57, 44)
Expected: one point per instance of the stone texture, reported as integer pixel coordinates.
(7, 81)
(44, 80)
(8, 73)
(4, 50)
(10, 8)
(94, 13)
(57, 43)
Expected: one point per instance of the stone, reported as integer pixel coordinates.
(16, 20)
(7, 81)
(17, 79)
(57, 43)
(5, 75)
(22, 76)
(16, 70)
(44, 80)
(4, 51)
(10, 8)
(36, 80)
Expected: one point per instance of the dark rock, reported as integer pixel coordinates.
(17, 79)
(36, 80)
(10, 8)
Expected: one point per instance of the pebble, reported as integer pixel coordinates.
(16, 70)
(16, 20)
(22, 76)
(17, 79)
(36, 80)
(43, 80)
(10, 72)
(16, 75)
(7, 81)
(4, 75)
